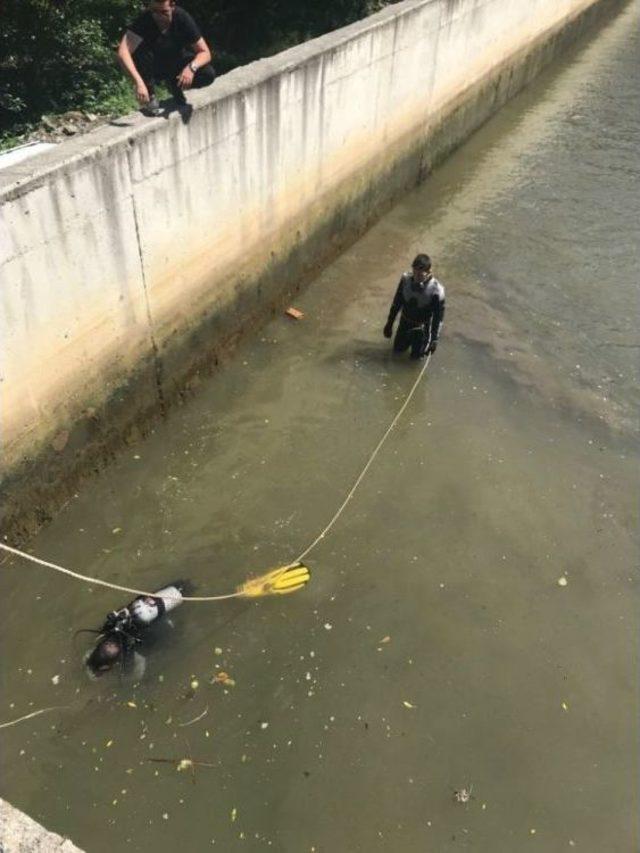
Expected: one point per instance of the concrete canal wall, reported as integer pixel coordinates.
(134, 256)
(20, 834)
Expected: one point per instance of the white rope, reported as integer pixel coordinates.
(98, 582)
(33, 714)
(319, 538)
(368, 465)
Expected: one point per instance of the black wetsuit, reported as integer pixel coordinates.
(161, 56)
(422, 305)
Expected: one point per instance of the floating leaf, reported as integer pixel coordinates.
(223, 678)
(294, 313)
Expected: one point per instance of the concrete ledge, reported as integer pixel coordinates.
(132, 259)
(20, 834)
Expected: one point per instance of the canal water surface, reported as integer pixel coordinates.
(435, 648)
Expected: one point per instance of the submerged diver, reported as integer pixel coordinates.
(420, 297)
(125, 630)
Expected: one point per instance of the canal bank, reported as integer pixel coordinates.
(20, 834)
(435, 649)
(136, 257)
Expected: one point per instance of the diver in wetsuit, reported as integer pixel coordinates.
(420, 299)
(125, 630)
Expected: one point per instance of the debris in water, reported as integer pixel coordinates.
(328, 626)
(32, 714)
(182, 764)
(562, 581)
(55, 679)
(117, 530)
(463, 795)
(223, 678)
(294, 313)
(564, 706)
(234, 814)
(195, 719)
(386, 639)
(408, 704)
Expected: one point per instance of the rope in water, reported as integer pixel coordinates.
(34, 714)
(306, 552)
(370, 462)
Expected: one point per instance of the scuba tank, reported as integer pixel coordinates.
(147, 609)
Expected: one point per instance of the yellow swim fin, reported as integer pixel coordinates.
(279, 581)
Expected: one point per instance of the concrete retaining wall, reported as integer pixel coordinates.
(133, 256)
(20, 834)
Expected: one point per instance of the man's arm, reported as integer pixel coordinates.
(438, 318)
(396, 305)
(202, 57)
(129, 43)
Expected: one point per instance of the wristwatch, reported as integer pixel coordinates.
(193, 67)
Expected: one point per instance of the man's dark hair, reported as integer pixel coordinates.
(105, 655)
(421, 262)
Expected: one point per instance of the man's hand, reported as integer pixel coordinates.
(432, 347)
(388, 330)
(142, 93)
(185, 78)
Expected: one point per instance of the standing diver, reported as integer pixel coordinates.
(420, 297)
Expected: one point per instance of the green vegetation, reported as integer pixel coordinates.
(58, 55)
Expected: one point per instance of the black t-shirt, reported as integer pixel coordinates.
(183, 32)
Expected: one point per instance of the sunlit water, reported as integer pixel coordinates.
(514, 466)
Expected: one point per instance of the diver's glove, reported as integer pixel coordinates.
(388, 329)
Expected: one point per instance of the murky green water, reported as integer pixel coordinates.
(515, 465)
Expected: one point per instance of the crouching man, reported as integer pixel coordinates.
(420, 298)
(164, 44)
